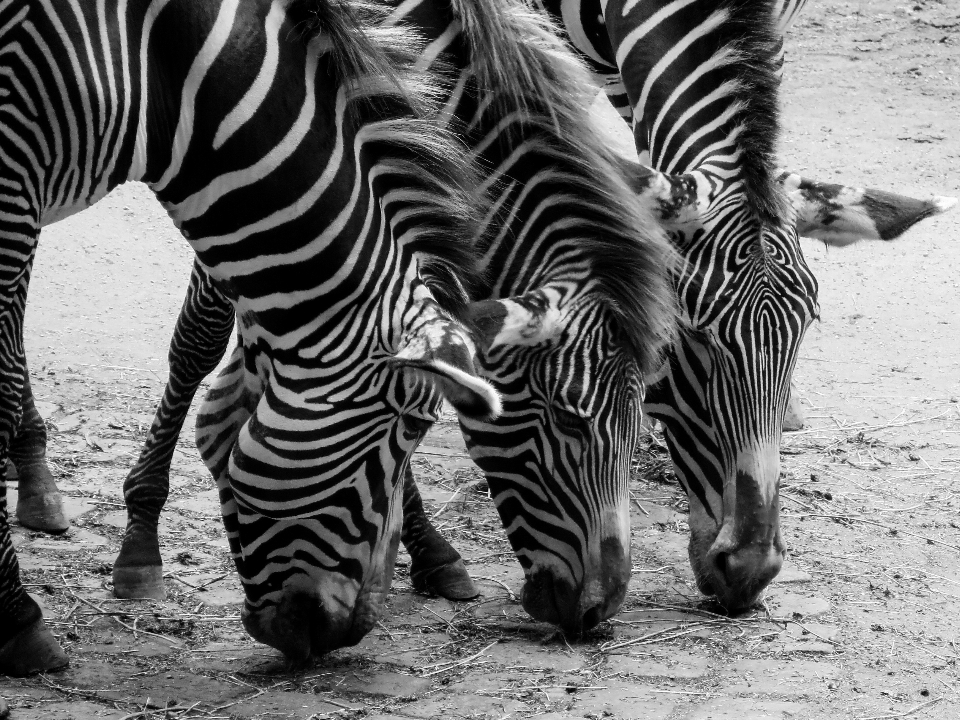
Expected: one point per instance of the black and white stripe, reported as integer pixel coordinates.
(698, 82)
(285, 143)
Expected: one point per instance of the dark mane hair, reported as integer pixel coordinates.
(396, 104)
(520, 63)
(738, 42)
(751, 33)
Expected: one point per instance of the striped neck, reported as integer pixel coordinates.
(702, 81)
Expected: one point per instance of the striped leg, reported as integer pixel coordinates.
(226, 407)
(39, 503)
(199, 341)
(436, 568)
(200, 338)
(26, 645)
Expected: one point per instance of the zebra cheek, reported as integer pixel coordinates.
(373, 595)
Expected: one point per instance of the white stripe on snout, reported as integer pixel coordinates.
(762, 463)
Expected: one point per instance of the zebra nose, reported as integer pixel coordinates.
(577, 608)
(556, 601)
(738, 576)
(302, 626)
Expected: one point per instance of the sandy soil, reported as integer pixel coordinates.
(863, 622)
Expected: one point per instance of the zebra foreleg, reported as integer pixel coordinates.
(199, 341)
(39, 503)
(226, 407)
(26, 645)
(436, 568)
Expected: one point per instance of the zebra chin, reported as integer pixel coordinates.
(737, 560)
(310, 617)
(737, 578)
(550, 595)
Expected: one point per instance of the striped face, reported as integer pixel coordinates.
(747, 297)
(311, 488)
(558, 457)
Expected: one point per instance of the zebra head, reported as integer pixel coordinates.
(747, 297)
(316, 544)
(558, 457)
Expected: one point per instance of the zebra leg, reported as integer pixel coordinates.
(26, 645)
(199, 341)
(436, 568)
(226, 407)
(39, 503)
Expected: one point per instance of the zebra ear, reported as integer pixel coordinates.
(840, 215)
(672, 199)
(443, 351)
(528, 319)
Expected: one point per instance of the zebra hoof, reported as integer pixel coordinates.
(136, 582)
(32, 650)
(793, 418)
(43, 512)
(450, 580)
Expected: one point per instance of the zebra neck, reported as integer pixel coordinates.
(702, 81)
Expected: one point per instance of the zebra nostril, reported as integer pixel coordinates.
(722, 565)
(591, 618)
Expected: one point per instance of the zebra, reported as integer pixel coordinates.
(589, 293)
(349, 149)
(579, 281)
(697, 81)
(435, 565)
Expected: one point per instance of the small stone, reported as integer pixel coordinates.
(680, 665)
(67, 424)
(814, 648)
(75, 507)
(799, 606)
(205, 503)
(117, 519)
(790, 573)
(623, 700)
(75, 540)
(747, 709)
(813, 631)
(378, 682)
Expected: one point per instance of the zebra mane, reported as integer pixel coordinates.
(750, 36)
(520, 63)
(398, 118)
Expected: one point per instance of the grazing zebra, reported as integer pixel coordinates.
(285, 144)
(435, 565)
(697, 81)
(584, 305)
(589, 303)
(586, 294)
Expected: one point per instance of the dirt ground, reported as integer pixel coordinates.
(863, 622)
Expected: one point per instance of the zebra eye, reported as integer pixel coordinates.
(416, 425)
(570, 422)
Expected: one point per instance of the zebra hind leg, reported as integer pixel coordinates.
(200, 339)
(436, 568)
(39, 503)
